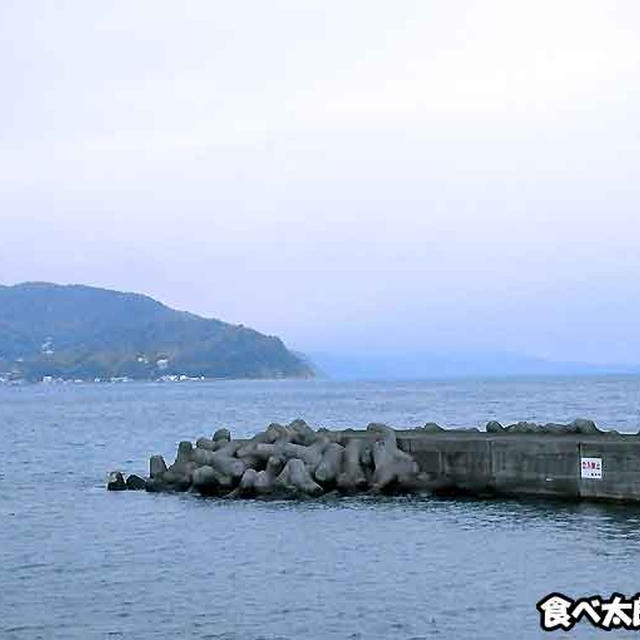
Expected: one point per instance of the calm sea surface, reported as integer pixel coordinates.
(79, 562)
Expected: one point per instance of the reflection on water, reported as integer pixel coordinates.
(80, 562)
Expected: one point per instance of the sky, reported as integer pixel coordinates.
(351, 176)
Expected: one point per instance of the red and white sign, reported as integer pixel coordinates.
(591, 468)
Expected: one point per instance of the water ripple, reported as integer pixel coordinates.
(80, 562)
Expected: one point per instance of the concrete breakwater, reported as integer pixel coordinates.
(575, 461)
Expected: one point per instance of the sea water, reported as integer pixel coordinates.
(77, 561)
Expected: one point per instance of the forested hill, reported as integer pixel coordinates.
(85, 333)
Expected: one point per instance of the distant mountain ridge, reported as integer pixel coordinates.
(422, 365)
(82, 332)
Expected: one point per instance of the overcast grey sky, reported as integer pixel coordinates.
(345, 174)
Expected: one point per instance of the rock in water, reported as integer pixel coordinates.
(135, 483)
(391, 464)
(352, 478)
(209, 444)
(185, 450)
(331, 464)
(259, 483)
(301, 432)
(205, 480)
(157, 466)
(115, 481)
(296, 480)
(584, 426)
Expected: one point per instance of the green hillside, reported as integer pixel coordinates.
(84, 332)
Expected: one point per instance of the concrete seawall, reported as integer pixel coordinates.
(603, 466)
(575, 461)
